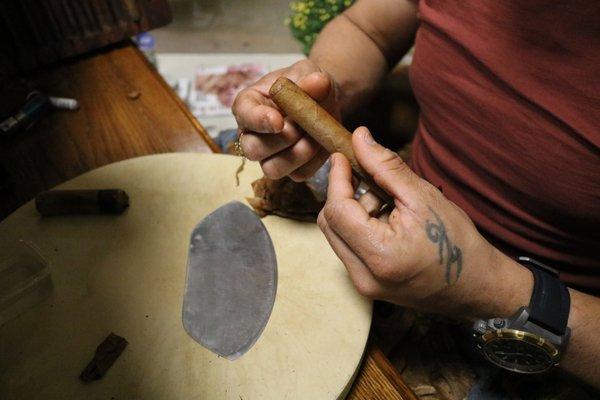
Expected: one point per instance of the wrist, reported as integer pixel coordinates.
(533, 339)
(517, 282)
(502, 290)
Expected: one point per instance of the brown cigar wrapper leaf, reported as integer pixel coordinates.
(68, 202)
(321, 126)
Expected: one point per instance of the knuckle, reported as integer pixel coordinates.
(299, 176)
(380, 267)
(236, 103)
(271, 170)
(321, 221)
(429, 190)
(304, 64)
(387, 271)
(290, 132)
(390, 163)
(253, 149)
(331, 211)
(239, 99)
(300, 63)
(304, 150)
(366, 288)
(303, 173)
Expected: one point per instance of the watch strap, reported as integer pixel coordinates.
(550, 301)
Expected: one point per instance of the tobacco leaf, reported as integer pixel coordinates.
(285, 198)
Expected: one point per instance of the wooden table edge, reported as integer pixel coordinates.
(182, 106)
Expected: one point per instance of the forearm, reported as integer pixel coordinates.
(358, 47)
(352, 59)
(581, 357)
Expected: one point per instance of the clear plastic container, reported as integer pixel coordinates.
(25, 280)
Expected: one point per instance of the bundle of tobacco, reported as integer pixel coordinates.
(285, 198)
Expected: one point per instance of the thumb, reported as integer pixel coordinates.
(386, 167)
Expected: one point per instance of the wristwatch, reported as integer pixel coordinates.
(531, 341)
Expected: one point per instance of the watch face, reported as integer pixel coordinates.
(519, 355)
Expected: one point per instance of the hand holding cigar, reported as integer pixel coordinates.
(270, 137)
(321, 126)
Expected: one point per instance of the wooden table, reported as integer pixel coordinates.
(113, 124)
(110, 125)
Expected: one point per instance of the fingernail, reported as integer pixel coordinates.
(266, 122)
(366, 136)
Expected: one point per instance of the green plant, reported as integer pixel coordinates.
(309, 17)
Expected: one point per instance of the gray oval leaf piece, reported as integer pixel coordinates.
(231, 281)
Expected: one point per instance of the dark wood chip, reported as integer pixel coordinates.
(106, 354)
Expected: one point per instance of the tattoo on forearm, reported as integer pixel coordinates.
(449, 254)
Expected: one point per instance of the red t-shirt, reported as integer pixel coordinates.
(510, 123)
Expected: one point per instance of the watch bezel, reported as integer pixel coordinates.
(517, 335)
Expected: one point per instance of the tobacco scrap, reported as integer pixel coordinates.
(285, 198)
(239, 170)
(235, 147)
(106, 354)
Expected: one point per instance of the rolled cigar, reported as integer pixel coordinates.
(67, 202)
(321, 126)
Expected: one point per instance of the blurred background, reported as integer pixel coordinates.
(214, 48)
(227, 26)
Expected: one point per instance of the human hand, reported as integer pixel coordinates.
(426, 254)
(273, 139)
